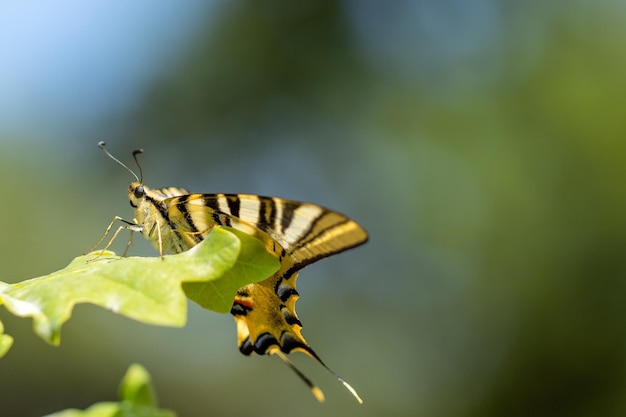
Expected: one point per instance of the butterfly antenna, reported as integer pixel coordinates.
(102, 145)
(135, 153)
(317, 393)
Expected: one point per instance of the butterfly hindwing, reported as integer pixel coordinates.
(297, 233)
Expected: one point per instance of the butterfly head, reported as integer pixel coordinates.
(136, 193)
(140, 198)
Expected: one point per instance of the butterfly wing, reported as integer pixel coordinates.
(307, 232)
(297, 233)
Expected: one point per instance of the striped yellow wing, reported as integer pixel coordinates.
(297, 233)
(307, 232)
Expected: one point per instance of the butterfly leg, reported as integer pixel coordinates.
(129, 243)
(133, 227)
(160, 239)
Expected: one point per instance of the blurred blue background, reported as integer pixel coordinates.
(481, 143)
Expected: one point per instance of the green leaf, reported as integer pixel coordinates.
(136, 387)
(103, 409)
(253, 265)
(5, 341)
(145, 289)
(137, 399)
(112, 409)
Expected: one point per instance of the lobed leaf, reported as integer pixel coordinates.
(253, 265)
(145, 289)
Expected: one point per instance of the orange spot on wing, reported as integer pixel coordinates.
(244, 303)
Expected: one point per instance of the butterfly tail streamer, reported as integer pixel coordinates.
(314, 389)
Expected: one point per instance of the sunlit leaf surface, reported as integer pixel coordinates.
(253, 263)
(145, 289)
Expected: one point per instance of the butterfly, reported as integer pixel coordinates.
(297, 233)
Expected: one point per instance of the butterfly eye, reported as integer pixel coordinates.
(139, 192)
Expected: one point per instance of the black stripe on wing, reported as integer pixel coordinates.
(306, 231)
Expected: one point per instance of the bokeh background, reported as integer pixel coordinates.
(482, 144)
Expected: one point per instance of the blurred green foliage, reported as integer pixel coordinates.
(137, 399)
(483, 148)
